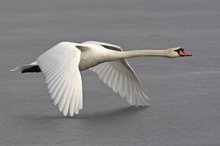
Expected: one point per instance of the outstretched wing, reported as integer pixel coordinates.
(119, 76)
(60, 67)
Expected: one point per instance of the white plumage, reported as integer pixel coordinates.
(61, 66)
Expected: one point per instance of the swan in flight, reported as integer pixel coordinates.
(61, 66)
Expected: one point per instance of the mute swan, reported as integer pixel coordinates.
(61, 66)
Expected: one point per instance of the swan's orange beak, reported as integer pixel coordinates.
(184, 53)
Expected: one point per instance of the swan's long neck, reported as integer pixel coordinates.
(140, 53)
(88, 59)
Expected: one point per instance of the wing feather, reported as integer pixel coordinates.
(72, 106)
(120, 76)
(60, 92)
(60, 68)
(64, 97)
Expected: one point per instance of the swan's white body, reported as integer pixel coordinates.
(62, 64)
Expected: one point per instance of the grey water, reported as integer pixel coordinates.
(184, 107)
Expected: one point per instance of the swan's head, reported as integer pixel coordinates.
(178, 52)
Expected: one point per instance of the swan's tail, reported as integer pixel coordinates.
(32, 67)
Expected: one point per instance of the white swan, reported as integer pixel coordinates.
(62, 64)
